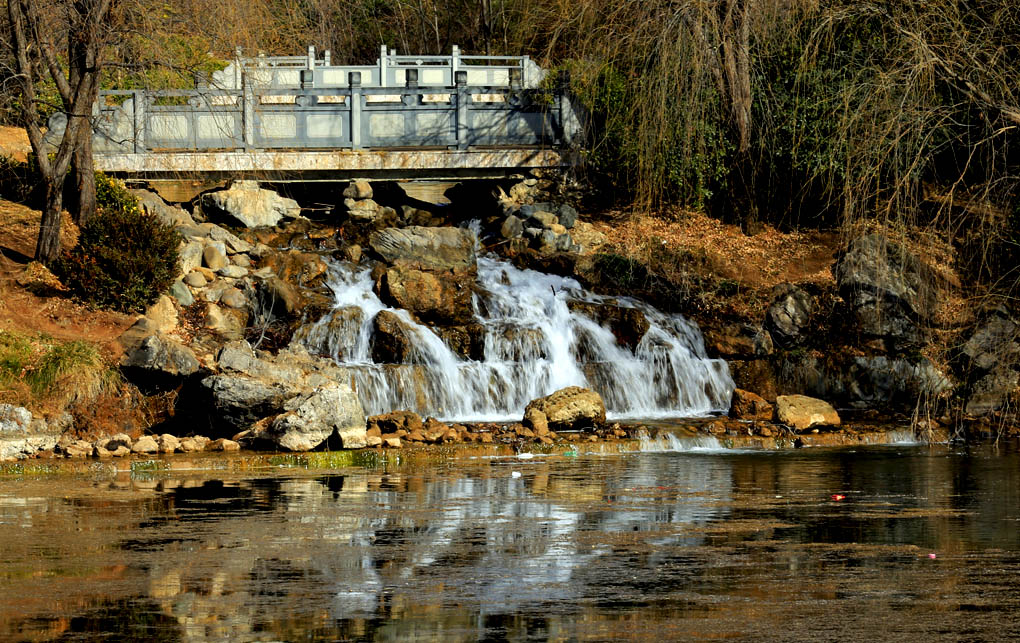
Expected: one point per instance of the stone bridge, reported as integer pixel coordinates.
(304, 119)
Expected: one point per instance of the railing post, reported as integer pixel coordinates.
(382, 66)
(138, 100)
(354, 80)
(238, 67)
(460, 78)
(454, 62)
(326, 58)
(411, 78)
(248, 100)
(311, 56)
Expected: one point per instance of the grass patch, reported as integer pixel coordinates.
(38, 371)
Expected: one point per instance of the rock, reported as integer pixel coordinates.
(787, 317)
(467, 341)
(241, 260)
(189, 445)
(195, 279)
(168, 443)
(739, 340)
(392, 339)
(391, 442)
(443, 298)
(250, 389)
(358, 190)
(239, 401)
(512, 228)
(992, 390)
(190, 256)
(891, 293)
(228, 323)
(213, 258)
(163, 314)
(859, 381)
(145, 445)
(567, 216)
(990, 359)
(234, 298)
(750, 406)
(249, 205)
(213, 292)
(559, 230)
(426, 248)
(116, 441)
(223, 444)
(368, 211)
(21, 436)
(802, 412)
(352, 253)
(148, 352)
(232, 243)
(407, 421)
(312, 419)
(181, 293)
(628, 324)
(300, 268)
(78, 449)
(993, 342)
(232, 272)
(152, 204)
(280, 297)
(571, 408)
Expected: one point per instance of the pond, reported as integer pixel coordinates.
(902, 542)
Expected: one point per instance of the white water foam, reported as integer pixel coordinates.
(534, 344)
(667, 442)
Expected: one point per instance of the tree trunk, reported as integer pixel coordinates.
(84, 181)
(48, 246)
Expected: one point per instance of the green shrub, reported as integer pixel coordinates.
(124, 259)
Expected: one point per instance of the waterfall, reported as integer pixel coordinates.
(536, 341)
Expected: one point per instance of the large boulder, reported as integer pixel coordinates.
(569, 409)
(802, 412)
(788, 315)
(439, 297)
(153, 205)
(860, 381)
(315, 419)
(21, 435)
(426, 248)
(392, 339)
(750, 406)
(254, 387)
(245, 203)
(153, 357)
(239, 400)
(990, 360)
(891, 292)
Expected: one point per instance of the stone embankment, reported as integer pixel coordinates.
(218, 346)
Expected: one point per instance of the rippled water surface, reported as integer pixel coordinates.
(705, 544)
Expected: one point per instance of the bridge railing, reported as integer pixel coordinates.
(389, 70)
(256, 117)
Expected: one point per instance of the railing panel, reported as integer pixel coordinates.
(297, 119)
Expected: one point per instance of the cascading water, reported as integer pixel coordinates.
(536, 342)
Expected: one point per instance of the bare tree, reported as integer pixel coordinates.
(33, 37)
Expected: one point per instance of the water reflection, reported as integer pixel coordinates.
(646, 545)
